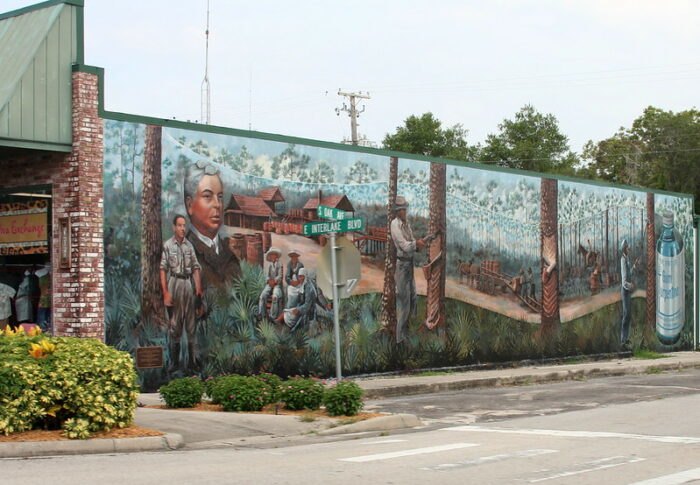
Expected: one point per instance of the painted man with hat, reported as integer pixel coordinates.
(291, 277)
(304, 309)
(273, 285)
(626, 290)
(406, 247)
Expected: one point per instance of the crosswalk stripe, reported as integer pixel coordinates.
(673, 479)
(686, 440)
(411, 452)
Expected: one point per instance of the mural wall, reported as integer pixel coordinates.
(205, 256)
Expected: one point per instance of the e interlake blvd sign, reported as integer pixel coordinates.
(325, 212)
(344, 225)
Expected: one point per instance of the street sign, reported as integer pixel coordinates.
(325, 212)
(345, 225)
(349, 268)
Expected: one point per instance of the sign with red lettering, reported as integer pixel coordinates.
(24, 232)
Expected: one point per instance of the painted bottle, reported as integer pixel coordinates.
(670, 283)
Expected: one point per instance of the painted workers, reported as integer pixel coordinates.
(204, 194)
(626, 289)
(181, 285)
(304, 309)
(291, 277)
(406, 247)
(273, 285)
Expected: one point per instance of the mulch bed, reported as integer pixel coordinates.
(57, 435)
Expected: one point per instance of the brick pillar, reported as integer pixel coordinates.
(78, 194)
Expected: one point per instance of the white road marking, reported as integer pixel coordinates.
(591, 466)
(674, 479)
(686, 440)
(414, 451)
(489, 459)
(682, 388)
(383, 442)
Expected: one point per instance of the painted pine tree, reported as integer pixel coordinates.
(550, 248)
(388, 316)
(436, 274)
(651, 263)
(152, 306)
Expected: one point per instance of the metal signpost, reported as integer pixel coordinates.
(350, 260)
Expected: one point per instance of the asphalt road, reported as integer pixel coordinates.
(618, 430)
(499, 403)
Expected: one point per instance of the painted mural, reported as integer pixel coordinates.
(205, 255)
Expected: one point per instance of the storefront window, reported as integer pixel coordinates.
(25, 257)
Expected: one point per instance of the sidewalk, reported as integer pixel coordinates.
(203, 430)
(377, 388)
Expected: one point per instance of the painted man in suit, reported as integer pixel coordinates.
(204, 201)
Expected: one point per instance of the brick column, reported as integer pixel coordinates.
(78, 194)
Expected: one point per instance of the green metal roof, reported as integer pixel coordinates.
(38, 46)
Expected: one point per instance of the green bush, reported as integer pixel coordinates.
(218, 388)
(274, 382)
(343, 399)
(242, 393)
(301, 393)
(185, 392)
(78, 384)
(209, 384)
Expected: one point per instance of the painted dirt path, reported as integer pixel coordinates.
(506, 304)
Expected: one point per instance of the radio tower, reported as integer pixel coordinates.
(206, 89)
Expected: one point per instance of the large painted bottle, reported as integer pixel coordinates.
(670, 283)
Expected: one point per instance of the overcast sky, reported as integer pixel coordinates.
(277, 65)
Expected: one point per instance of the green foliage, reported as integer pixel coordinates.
(274, 382)
(530, 141)
(343, 399)
(653, 152)
(185, 392)
(242, 393)
(82, 380)
(301, 393)
(425, 135)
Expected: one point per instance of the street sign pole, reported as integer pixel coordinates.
(336, 309)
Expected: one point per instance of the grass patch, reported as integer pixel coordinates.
(654, 370)
(430, 373)
(307, 418)
(647, 354)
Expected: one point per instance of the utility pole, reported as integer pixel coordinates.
(352, 111)
(206, 92)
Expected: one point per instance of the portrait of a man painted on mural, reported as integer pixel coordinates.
(204, 202)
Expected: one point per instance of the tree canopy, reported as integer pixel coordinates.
(425, 135)
(661, 150)
(530, 141)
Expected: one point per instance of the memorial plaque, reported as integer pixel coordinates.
(149, 357)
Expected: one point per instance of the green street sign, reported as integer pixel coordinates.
(325, 212)
(345, 225)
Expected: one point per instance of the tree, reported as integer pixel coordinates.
(388, 316)
(361, 173)
(425, 135)
(530, 141)
(437, 250)
(549, 234)
(322, 174)
(654, 152)
(152, 306)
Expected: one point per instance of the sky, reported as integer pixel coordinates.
(276, 66)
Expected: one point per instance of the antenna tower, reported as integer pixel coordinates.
(206, 89)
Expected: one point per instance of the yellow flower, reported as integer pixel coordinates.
(36, 351)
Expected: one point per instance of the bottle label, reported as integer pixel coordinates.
(670, 295)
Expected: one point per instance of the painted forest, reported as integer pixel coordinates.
(515, 266)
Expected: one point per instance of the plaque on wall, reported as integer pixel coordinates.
(64, 239)
(149, 357)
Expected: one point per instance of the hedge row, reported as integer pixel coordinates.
(252, 393)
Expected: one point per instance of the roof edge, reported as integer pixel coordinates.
(39, 6)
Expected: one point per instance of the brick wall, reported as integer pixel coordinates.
(77, 190)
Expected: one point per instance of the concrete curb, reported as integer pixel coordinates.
(639, 367)
(26, 449)
(381, 423)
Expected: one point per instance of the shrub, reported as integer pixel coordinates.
(301, 393)
(242, 393)
(274, 382)
(209, 384)
(343, 399)
(218, 388)
(185, 392)
(78, 384)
